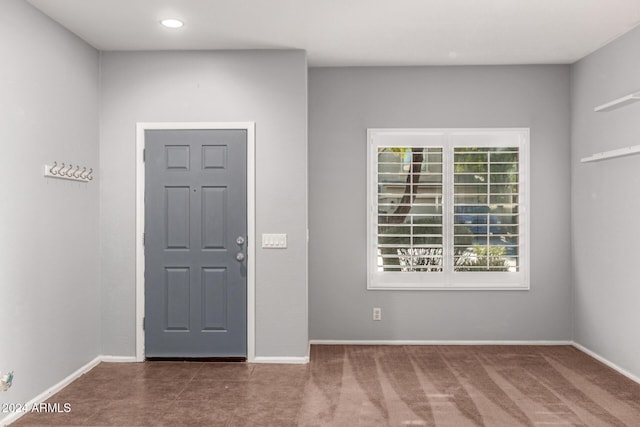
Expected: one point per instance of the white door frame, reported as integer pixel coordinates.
(251, 217)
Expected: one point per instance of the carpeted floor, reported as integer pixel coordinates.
(358, 386)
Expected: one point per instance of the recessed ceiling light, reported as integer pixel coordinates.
(172, 23)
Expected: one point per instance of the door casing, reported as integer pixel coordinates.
(140, 225)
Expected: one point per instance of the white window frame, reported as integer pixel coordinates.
(448, 139)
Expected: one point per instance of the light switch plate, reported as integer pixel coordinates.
(274, 241)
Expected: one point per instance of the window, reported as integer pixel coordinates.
(448, 209)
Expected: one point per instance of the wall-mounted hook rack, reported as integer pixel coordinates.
(68, 171)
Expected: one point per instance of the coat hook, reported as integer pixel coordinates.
(68, 171)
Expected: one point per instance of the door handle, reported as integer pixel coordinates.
(239, 257)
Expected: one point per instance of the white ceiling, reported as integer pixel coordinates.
(359, 32)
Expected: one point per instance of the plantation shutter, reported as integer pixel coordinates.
(448, 209)
(486, 202)
(409, 200)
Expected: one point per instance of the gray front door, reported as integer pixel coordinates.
(195, 243)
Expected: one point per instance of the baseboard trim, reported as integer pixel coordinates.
(118, 359)
(440, 342)
(14, 416)
(606, 362)
(282, 360)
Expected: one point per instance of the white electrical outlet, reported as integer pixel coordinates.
(377, 313)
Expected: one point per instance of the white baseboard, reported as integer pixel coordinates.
(438, 342)
(118, 359)
(12, 417)
(283, 360)
(606, 362)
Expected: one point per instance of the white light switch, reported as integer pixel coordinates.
(274, 241)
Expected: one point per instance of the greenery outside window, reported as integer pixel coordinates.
(448, 209)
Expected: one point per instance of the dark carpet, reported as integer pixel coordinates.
(453, 386)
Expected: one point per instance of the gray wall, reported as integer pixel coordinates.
(606, 230)
(343, 103)
(269, 88)
(49, 259)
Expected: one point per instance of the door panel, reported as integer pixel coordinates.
(214, 295)
(177, 217)
(177, 282)
(195, 208)
(214, 217)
